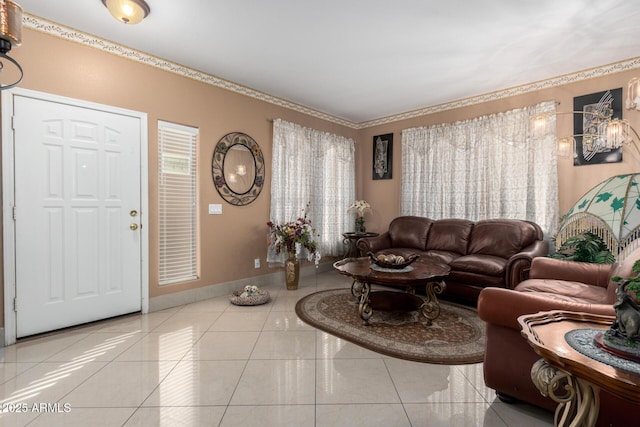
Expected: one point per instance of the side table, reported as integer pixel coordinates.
(571, 377)
(350, 240)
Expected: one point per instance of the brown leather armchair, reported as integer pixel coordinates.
(552, 285)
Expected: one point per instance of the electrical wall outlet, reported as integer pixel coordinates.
(256, 263)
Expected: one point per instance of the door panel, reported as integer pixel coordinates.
(77, 177)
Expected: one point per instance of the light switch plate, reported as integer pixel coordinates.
(215, 209)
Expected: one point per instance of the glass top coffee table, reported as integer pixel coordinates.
(421, 272)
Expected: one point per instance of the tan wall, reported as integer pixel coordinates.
(384, 195)
(231, 241)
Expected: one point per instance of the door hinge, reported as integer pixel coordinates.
(13, 212)
(15, 305)
(13, 122)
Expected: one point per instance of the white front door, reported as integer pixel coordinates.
(77, 214)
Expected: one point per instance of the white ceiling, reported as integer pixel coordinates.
(361, 60)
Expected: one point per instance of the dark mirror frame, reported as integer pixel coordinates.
(217, 168)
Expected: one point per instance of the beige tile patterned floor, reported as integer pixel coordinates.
(211, 363)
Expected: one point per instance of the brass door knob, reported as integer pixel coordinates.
(133, 226)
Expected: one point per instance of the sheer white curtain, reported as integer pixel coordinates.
(310, 166)
(497, 166)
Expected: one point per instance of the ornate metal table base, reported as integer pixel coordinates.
(409, 301)
(431, 307)
(578, 400)
(572, 378)
(422, 272)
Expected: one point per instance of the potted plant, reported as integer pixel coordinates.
(360, 206)
(287, 237)
(585, 247)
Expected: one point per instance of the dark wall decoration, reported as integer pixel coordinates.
(590, 148)
(382, 156)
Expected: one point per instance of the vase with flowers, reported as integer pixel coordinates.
(360, 207)
(287, 237)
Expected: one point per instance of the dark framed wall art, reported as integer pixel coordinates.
(588, 113)
(382, 156)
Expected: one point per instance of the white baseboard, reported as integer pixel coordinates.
(193, 295)
(176, 299)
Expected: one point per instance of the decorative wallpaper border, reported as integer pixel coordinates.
(71, 34)
(505, 93)
(57, 30)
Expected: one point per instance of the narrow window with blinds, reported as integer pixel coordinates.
(177, 200)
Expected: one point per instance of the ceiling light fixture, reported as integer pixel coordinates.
(128, 11)
(10, 35)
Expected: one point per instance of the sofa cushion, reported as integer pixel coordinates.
(564, 290)
(481, 264)
(450, 235)
(464, 279)
(409, 232)
(443, 257)
(501, 237)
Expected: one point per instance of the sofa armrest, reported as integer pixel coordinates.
(374, 244)
(559, 269)
(503, 306)
(519, 264)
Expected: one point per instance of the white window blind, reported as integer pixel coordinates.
(177, 200)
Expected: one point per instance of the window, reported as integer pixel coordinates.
(177, 202)
(497, 166)
(315, 168)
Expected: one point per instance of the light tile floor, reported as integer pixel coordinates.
(211, 363)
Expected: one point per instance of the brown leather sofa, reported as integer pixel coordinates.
(488, 253)
(552, 285)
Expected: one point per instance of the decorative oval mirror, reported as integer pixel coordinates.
(237, 168)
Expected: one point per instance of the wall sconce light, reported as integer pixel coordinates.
(10, 35)
(128, 11)
(620, 133)
(611, 133)
(566, 146)
(540, 123)
(615, 132)
(633, 94)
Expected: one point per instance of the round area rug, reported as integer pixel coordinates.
(457, 336)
